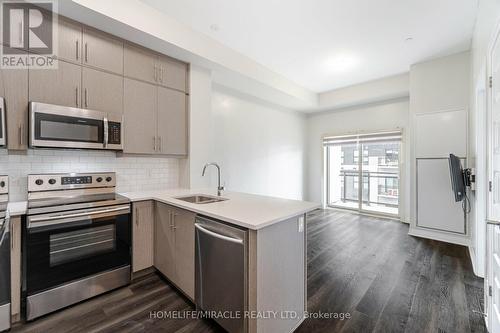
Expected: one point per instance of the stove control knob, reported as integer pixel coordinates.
(108, 179)
(99, 179)
(52, 181)
(39, 181)
(2, 184)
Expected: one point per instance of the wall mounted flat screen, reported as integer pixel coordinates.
(457, 178)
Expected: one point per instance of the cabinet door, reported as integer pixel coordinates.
(102, 91)
(173, 73)
(183, 222)
(14, 89)
(139, 117)
(15, 268)
(172, 122)
(102, 51)
(164, 254)
(142, 234)
(69, 41)
(61, 86)
(139, 63)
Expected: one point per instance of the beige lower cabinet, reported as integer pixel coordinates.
(15, 268)
(142, 235)
(174, 246)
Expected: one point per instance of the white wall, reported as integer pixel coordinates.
(200, 128)
(133, 173)
(386, 115)
(260, 147)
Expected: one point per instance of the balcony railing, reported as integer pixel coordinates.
(350, 193)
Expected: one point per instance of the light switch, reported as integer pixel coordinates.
(301, 224)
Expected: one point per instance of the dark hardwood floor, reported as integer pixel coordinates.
(364, 266)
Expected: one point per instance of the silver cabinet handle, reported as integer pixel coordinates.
(77, 51)
(86, 53)
(76, 97)
(156, 73)
(159, 143)
(86, 99)
(20, 134)
(173, 219)
(490, 222)
(216, 235)
(136, 216)
(161, 74)
(154, 143)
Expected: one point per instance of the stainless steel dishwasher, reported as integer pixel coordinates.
(221, 272)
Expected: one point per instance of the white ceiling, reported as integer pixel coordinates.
(327, 44)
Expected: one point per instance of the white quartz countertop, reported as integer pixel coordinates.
(242, 209)
(17, 208)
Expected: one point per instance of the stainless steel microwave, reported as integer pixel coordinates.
(3, 133)
(55, 126)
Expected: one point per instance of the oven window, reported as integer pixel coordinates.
(74, 245)
(64, 128)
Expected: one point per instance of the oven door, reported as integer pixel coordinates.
(66, 127)
(3, 133)
(64, 247)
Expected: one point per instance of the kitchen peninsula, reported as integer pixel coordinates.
(275, 256)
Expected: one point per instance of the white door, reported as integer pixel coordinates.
(493, 235)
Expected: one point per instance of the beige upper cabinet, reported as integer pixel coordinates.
(183, 224)
(139, 114)
(140, 63)
(172, 122)
(102, 91)
(69, 41)
(164, 252)
(61, 86)
(142, 235)
(14, 90)
(102, 51)
(173, 73)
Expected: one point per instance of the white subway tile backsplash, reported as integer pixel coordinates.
(133, 173)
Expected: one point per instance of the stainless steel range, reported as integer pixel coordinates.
(4, 255)
(76, 240)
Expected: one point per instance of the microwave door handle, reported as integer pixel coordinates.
(106, 132)
(35, 222)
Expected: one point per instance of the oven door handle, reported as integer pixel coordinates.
(5, 230)
(35, 222)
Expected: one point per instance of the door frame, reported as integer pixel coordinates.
(488, 259)
(401, 173)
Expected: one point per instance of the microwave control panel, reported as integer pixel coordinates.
(114, 133)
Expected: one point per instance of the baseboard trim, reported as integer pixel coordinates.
(472, 255)
(447, 238)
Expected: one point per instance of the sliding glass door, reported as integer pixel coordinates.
(362, 172)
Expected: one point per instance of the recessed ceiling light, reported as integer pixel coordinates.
(342, 63)
(214, 27)
(408, 39)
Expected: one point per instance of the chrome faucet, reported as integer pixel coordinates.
(219, 188)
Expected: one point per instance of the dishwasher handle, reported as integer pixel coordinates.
(217, 235)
